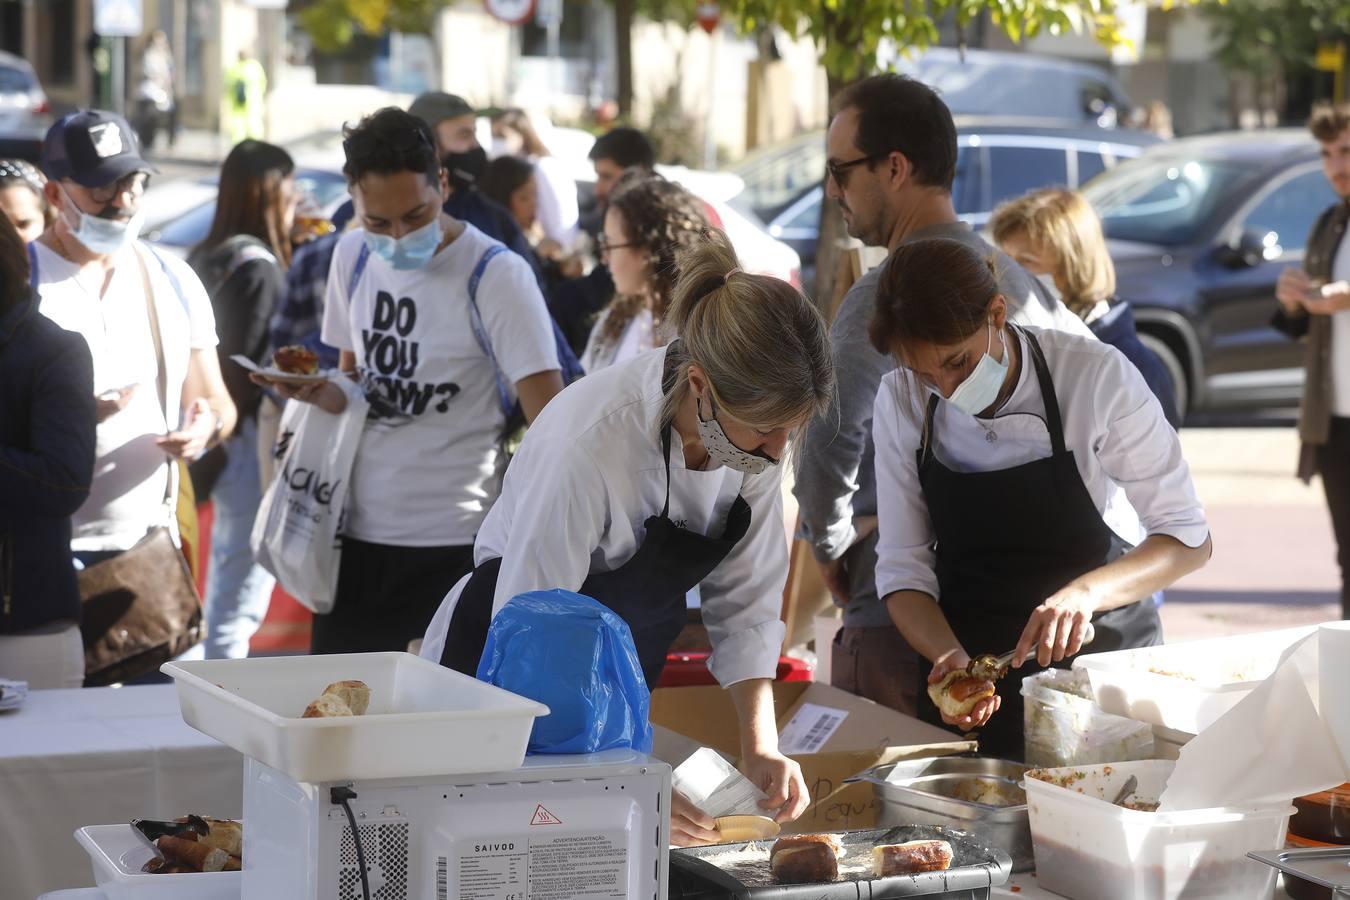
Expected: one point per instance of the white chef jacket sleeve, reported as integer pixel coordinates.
(1141, 453)
(905, 557)
(743, 597)
(556, 524)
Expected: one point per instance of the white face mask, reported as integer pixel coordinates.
(980, 389)
(103, 236)
(722, 450)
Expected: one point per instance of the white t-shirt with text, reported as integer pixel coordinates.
(428, 467)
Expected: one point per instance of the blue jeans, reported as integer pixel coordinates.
(238, 590)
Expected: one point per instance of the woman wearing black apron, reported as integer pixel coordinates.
(1028, 485)
(660, 474)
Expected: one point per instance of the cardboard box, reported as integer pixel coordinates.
(847, 735)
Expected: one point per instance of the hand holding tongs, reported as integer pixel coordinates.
(992, 668)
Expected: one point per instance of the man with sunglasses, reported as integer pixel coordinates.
(891, 162)
(147, 320)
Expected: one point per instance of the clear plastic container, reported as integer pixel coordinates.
(1064, 727)
(1185, 687)
(117, 855)
(424, 719)
(1088, 849)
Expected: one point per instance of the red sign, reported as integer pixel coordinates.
(709, 16)
(544, 817)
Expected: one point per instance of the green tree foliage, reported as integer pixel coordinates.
(1265, 38)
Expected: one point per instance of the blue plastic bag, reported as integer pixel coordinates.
(577, 656)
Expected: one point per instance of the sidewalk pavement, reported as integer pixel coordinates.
(1274, 563)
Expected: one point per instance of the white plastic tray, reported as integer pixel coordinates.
(424, 719)
(1185, 687)
(117, 855)
(1088, 849)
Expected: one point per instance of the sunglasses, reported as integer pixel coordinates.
(840, 171)
(135, 183)
(605, 246)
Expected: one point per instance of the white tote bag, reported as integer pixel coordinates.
(295, 536)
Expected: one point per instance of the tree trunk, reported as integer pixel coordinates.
(832, 233)
(623, 47)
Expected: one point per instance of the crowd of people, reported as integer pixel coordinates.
(985, 453)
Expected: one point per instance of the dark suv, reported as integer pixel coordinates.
(1199, 230)
(997, 159)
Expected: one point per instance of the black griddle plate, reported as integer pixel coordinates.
(976, 866)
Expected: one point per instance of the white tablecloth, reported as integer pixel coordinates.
(94, 757)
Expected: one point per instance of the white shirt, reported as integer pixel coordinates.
(558, 212)
(638, 336)
(1127, 455)
(579, 492)
(1340, 339)
(130, 473)
(427, 467)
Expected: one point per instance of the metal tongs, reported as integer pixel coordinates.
(992, 668)
(149, 830)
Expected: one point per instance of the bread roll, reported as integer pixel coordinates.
(911, 858)
(804, 864)
(801, 840)
(327, 706)
(356, 694)
(957, 693)
(226, 835)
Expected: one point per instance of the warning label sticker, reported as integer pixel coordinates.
(544, 817)
(552, 867)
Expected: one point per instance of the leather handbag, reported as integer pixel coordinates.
(140, 608)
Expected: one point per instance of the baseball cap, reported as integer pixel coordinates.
(92, 148)
(434, 107)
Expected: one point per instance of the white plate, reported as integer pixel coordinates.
(271, 373)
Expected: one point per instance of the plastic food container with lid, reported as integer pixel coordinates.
(1186, 687)
(1089, 849)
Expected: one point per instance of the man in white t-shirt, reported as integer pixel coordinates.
(398, 307)
(95, 278)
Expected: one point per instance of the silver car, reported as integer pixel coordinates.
(25, 113)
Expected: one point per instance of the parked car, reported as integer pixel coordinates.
(1199, 230)
(25, 113)
(997, 159)
(1012, 83)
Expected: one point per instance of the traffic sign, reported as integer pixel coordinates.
(512, 12)
(118, 18)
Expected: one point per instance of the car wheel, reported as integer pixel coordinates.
(1171, 362)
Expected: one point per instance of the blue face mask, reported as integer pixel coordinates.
(412, 251)
(980, 389)
(104, 236)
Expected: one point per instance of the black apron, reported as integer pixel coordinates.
(648, 592)
(1006, 541)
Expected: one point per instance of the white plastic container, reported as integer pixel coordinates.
(1185, 687)
(117, 855)
(424, 719)
(1088, 849)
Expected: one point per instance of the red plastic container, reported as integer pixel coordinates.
(691, 669)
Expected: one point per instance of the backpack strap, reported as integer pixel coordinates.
(480, 331)
(358, 270)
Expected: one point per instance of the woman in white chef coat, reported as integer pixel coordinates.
(661, 473)
(1027, 483)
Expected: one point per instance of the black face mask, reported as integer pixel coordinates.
(465, 168)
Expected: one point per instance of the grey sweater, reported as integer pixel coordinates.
(836, 481)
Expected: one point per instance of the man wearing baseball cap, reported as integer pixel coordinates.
(147, 320)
